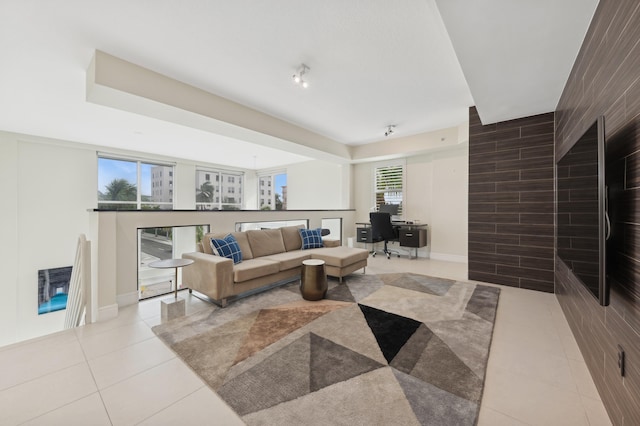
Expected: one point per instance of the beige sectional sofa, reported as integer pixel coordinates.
(269, 257)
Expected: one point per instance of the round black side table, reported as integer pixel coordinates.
(313, 279)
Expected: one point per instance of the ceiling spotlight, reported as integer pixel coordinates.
(389, 131)
(298, 77)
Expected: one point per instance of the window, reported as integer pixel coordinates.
(211, 182)
(388, 184)
(161, 244)
(276, 197)
(125, 184)
(246, 226)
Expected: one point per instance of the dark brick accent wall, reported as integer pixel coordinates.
(605, 80)
(511, 196)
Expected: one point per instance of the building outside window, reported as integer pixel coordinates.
(274, 198)
(210, 183)
(128, 184)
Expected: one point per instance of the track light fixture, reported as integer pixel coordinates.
(298, 77)
(389, 131)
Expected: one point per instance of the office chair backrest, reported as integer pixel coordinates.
(392, 209)
(381, 227)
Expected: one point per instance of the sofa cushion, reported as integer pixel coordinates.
(254, 268)
(339, 256)
(227, 247)
(206, 243)
(311, 238)
(290, 259)
(241, 238)
(265, 242)
(329, 242)
(291, 237)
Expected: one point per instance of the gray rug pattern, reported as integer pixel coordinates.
(385, 349)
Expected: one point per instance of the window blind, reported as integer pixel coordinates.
(388, 185)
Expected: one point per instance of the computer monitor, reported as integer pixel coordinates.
(392, 209)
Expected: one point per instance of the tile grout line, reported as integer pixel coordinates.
(93, 377)
(172, 404)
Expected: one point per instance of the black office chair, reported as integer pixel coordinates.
(383, 230)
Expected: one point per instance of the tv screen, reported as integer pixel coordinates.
(581, 215)
(392, 209)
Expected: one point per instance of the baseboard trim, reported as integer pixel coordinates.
(127, 299)
(449, 257)
(106, 313)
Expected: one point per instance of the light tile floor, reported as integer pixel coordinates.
(118, 373)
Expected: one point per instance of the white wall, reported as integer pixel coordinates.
(318, 185)
(56, 185)
(250, 196)
(436, 193)
(184, 184)
(363, 196)
(8, 248)
(440, 183)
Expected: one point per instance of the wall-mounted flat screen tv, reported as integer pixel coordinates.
(582, 222)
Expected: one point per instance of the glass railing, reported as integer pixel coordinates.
(159, 244)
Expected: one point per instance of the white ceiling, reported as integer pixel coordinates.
(417, 64)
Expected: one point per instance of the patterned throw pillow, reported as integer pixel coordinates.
(227, 247)
(311, 238)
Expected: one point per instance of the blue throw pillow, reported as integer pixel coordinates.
(227, 247)
(311, 238)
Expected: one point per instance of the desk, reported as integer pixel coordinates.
(412, 235)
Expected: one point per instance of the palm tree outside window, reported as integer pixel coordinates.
(125, 184)
(211, 182)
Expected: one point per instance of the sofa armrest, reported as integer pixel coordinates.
(210, 275)
(328, 242)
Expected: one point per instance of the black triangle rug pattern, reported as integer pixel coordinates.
(411, 347)
(404, 357)
(391, 331)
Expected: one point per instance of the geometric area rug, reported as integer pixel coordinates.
(388, 349)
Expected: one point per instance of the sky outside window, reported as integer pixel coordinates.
(279, 182)
(110, 169)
